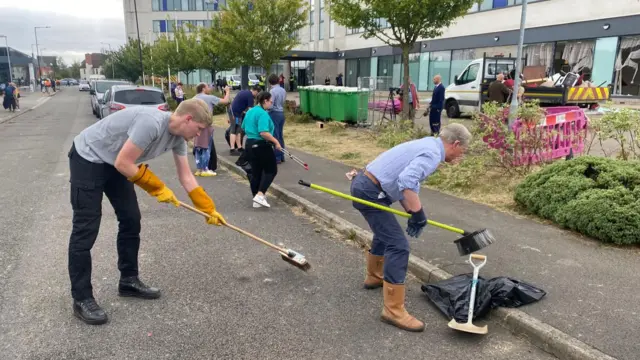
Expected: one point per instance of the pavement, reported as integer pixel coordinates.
(27, 102)
(591, 288)
(224, 295)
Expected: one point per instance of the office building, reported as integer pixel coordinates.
(599, 37)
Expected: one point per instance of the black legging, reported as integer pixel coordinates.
(263, 165)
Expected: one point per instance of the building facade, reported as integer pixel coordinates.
(600, 38)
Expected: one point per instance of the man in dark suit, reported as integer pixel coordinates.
(437, 104)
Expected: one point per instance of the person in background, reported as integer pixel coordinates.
(179, 93)
(202, 93)
(276, 112)
(339, 80)
(244, 100)
(260, 144)
(498, 91)
(281, 79)
(9, 102)
(414, 101)
(436, 106)
(327, 80)
(16, 97)
(397, 175)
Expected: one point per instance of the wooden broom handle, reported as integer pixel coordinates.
(478, 256)
(189, 207)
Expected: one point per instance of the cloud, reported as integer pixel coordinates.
(69, 37)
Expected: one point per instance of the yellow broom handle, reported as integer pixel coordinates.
(380, 207)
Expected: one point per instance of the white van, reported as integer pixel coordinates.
(463, 96)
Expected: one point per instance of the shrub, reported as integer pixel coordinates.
(304, 118)
(390, 134)
(621, 126)
(598, 197)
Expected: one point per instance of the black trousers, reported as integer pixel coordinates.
(263, 165)
(213, 157)
(88, 182)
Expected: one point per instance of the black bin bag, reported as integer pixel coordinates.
(452, 296)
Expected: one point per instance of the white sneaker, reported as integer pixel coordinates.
(212, 173)
(262, 200)
(256, 205)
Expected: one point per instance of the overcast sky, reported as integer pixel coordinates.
(74, 29)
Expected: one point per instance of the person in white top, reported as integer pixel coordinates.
(179, 93)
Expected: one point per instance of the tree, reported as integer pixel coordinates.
(214, 57)
(165, 56)
(408, 21)
(126, 61)
(260, 32)
(189, 51)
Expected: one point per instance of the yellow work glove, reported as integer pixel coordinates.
(204, 203)
(148, 181)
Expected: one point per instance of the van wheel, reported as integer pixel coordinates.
(453, 111)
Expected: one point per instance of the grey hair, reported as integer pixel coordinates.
(456, 132)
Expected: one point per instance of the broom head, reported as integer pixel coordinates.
(470, 243)
(296, 259)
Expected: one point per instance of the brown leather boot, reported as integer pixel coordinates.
(394, 312)
(374, 271)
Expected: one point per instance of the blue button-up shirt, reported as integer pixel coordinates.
(278, 95)
(406, 165)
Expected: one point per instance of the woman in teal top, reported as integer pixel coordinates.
(258, 128)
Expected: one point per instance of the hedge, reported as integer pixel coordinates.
(598, 197)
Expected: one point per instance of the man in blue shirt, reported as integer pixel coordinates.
(278, 96)
(243, 101)
(437, 104)
(396, 175)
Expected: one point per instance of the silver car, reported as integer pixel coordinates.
(98, 88)
(119, 97)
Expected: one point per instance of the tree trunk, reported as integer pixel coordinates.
(405, 83)
(213, 75)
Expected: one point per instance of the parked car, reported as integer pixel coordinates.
(84, 85)
(97, 92)
(119, 97)
(234, 82)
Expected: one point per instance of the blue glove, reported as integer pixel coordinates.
(416, 223)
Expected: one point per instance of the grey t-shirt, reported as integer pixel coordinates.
(147, 127)
(209, 99)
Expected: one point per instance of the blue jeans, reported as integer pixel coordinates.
(388, 236)
(278, 121)
(202, 157)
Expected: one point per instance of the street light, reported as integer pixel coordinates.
(8, 56)
(113, 71)
(35, 31)
(135, 9)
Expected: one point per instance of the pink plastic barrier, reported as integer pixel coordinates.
(565, 127)
(381, 105)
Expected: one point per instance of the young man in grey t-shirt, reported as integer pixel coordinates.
(103, 159)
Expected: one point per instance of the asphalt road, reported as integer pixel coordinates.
(224, 296)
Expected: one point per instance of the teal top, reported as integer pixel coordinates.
(257, 120)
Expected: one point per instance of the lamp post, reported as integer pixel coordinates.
(8, 56)
(35, 31)
(514, 97)
(135, 9)
(113, 71)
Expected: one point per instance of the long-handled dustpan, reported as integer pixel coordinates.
(467, 244)
(468, 326)
(292, 257)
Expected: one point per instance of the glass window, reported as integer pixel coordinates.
(185, 5)
(156, 5)
(460, 59)
(486, 5)
(332, 28)
(626, 81)
(321, 27)
(440, 64)
(312, 31)
(499, 3)
(139, 97)
(469, 75)
(174, 5)
(156, 26)
(604, 60)
(199, 5)
(423, 73)
(474, 8)
(103, 86)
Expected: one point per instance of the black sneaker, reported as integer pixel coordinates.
(133, 287)
(90, 312)
(233, 152)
